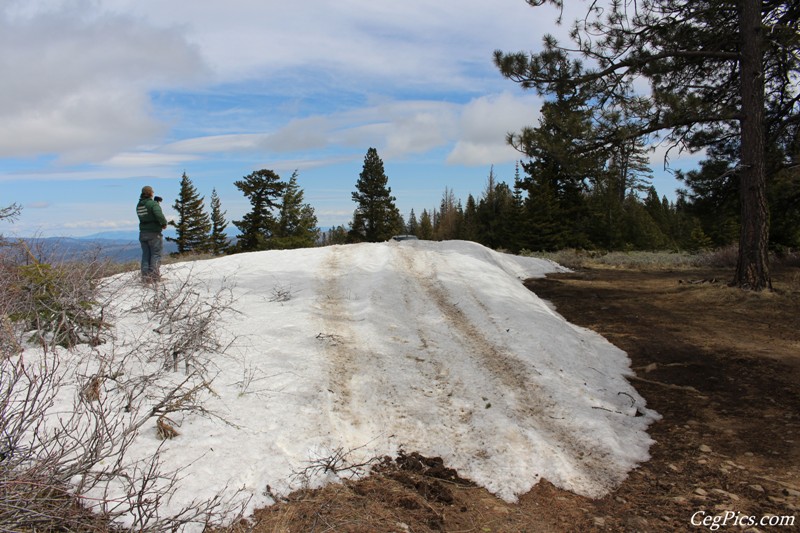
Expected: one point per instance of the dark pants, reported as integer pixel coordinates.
(152, 246)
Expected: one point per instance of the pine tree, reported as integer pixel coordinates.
(193, 224)
(263, 188)
(471, 231)
(497, 216)
(425, 226)
(542, 219)
(297, 223)
(376, 217)
(450, 219)
(412, 228)
(713, 198)
(718, 70)
(784, 197)
(557, 175)
(336, 235)
(218, 240)
(639, 230)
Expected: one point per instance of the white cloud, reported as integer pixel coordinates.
(413, 43)
(83, 125)
(78, 85)
(97, 225)
(148, 159)
(398, 129)
(484, 124)
(307, 164)
(85, 70)
(83, 174)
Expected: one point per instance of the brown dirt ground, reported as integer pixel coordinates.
(722, 366)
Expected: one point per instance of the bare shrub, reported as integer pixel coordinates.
(643, 260)
(185, 318)
(70, 412)
(725, 257)
(55, 303)
(281, 293)
(339, 462)
(789, 258)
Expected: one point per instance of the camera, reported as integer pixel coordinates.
(158, 199)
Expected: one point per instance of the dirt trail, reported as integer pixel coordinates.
(337, 335)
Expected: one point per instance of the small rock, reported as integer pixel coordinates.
(700, 492)
(757, 488)
(792, 492)
(638, 523)
(599, 521)
(702, 462)
(673, 468)
(725, 493)
(621, 500)
(775, 499)
(705, 449)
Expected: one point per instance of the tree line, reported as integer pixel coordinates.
(606, 204)
(278, 219)
(535, 213)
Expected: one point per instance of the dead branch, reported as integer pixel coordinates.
(670, 386)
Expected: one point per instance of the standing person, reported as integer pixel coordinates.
(151, 223)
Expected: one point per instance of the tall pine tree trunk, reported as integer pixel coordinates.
(752, 270)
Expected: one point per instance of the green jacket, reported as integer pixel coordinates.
(151, 218)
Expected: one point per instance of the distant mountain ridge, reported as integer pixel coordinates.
(123, 235)
(120, 247)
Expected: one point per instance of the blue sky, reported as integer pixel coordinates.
(101, 97)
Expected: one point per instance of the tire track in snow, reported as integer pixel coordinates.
(481, 349)
(337, 335)
(434, 371)
(525, 402)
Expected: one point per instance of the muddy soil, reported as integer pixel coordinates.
(721, 366)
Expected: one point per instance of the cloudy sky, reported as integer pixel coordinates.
(101, 97)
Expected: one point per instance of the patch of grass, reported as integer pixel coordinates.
(188, 256)
(663, 260)
(725, 258)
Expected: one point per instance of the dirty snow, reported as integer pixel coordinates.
(365, 349)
